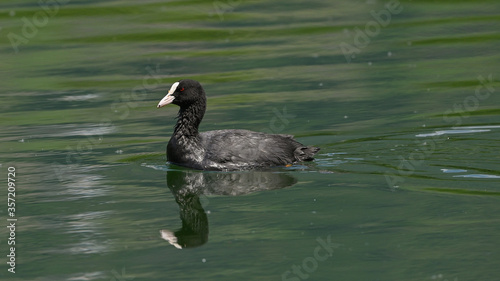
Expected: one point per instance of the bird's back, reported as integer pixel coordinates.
(241, 149)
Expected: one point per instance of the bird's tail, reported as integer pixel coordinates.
(305, 153)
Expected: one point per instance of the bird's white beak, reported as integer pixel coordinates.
(168, 99)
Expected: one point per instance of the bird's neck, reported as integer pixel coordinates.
(188, 120)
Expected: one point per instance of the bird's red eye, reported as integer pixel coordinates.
(182, 89)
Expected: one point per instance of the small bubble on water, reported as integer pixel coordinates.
(203, 260)
(12, 13)
(389, 54)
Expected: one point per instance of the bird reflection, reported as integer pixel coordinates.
(188, 186)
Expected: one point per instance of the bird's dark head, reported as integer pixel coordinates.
(184, 93)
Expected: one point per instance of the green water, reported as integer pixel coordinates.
(402, 100)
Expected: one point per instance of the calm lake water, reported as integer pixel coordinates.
(401, 97)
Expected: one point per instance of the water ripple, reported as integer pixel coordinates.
(461, 130)
(449, 132)
(478, 176)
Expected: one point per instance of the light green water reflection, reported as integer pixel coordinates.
(405, 185)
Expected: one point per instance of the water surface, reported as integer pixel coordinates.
(405, 186)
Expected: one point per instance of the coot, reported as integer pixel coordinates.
(223, 150)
